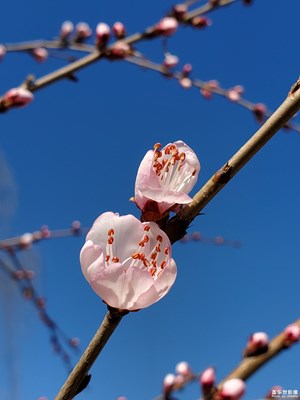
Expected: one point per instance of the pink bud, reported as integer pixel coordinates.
(40, 54)
(257, 343)
(122, 398)
(76, 225)
(201, 22)
(29, 274)
(180, 10)
(45, 231)
(170, 61)
(233, 389)
(219, 240)
(259, 111)
(17, 97)
(168, 382)
(83, 31)
(291, 334)
(120, 50)
(66, 29)
(167, 26)
(187, 69)
(206, 91)
(26, 240)
(196, 236)
(119, 30)
(74, 342)
(102, 33)
(2, 51)
(186, 83)
(183, 368)
(234, 94)
(207, 380)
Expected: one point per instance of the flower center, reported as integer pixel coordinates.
(152, 257)
(171, 167)
(150, 254)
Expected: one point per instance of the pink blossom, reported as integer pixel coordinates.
(259, 111)
(233, 389)
(167, 26)
(40, 54)
(83, 31)
(201, 22)
(128, 263)
(291, 334)
(257, 343)
(207, 380)
(102, 33)
(169, 382)
(17, 97)
(183, 369)
(2, 51)
(120, 50)
(185, 82)
(170, 61)
(206, 91)
(66, 29)
(165, 177)
(119, 30)
(180, 10)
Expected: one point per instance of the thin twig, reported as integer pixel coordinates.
(178, 224)
(74, 383)
(249, 365)
(96, 54)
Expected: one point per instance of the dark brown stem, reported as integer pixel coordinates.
(74, 383)
(219, 180)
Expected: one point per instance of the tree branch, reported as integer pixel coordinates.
(178, 224)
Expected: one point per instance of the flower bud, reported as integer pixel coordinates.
(83, 31)
(257, 343)
(179, 11)
(40, 54)
(183, 369)
(259, 111)
(206, 91)
(170, 61)
(207, 380)
(119, 30)
(187, 69)
(2, 51)
(102, 34)
(120, 50)
(291, 334)
(76, 225)
(233, 389)
(186, 83)
(26, 241)
(201, 22)
(167, 26)
(168, 382)
(66, 29)
(17, 97)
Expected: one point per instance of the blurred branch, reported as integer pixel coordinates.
(208, 88)
(249, 365)
(79, 378)
(95, 53)
(178, 224)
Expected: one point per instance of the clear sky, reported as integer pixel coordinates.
(73, 154)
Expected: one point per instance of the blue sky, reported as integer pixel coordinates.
(73, 154)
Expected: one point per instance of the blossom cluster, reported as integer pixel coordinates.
(128, 262)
